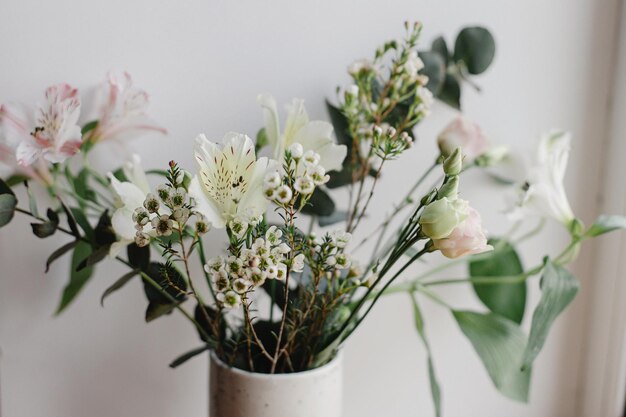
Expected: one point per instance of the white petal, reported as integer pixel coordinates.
(253, 201)
(129, 194)
(205, 205)
(297, 118)
(135, 173)
(317, 136)
(270, 118)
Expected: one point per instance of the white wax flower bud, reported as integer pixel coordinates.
(296, 151)
(377, 130)
(391, 131)
(142, 239)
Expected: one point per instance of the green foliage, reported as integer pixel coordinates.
(435, 69)
(78, 278)
(435, 390)
(261, 140)
(60, 252)
(558, 289)
(47, 228)
(201, 319)
(138, 257)
(336, 217)
(170, 292)
(8, 202)
(475, 47)
(123, 280)
(450, 92)
(606, 224)
(14, 180)
(505, 299)
(319, 204)
(440, 47)
(188, 355)
(499, 343)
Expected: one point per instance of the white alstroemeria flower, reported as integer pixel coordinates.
(230, 179)
(122, 113)
(315, 135)
(543, 194)
(129, 196)
(50, 132)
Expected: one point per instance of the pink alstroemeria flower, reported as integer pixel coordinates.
(122, 113)
(30, 139)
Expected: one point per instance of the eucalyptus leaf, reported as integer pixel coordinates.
(475, 47)
(104, 234)
(336, 217)
(5, 188)
(138, 256)
(558, 289)
(8, 202)
(439, 46)
(123, 280)
(47, 228)
(94, 257)
(78, 279)
(435, 69)
(606, 224)
(506, 299)
(188, 355)
(499, 343)
(60, 252)
(83, 222)
(435, 390)
(320, 204)
(450, 92)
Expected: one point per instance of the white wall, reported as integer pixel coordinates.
(204, 63)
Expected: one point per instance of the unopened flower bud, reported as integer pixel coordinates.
(296, 151)
(450, 189)
(453, 164)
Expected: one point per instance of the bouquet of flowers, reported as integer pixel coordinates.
(288, 289)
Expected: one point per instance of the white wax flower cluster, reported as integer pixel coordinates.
(266, 258)
(302, 172)
(330, 249)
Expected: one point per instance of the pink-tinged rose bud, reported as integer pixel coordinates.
(441, 217)
(464, 133)
(466, 239)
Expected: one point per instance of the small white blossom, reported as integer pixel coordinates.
(311, 158)
(177, 198)
(220, 280)
(340, 238)
(273, 235)
(201, 224)
(284, 194)
(272, 271)
(283, 248)
(272, 180)
(234, 265)
(281, 271)
(270, 193)
(256, 276)
(142, 239)
(230, 299)
(214, 264)
(304, 185)
(141, 216)
(353, 90)
(342, 261)
(151, 203)
(360, 65)
(181, 215)
(163, 191)
(296, 151)
(241, 285)
(163, 225)
(317, 174)
(297, 264)
(239, 227)
(331, 261)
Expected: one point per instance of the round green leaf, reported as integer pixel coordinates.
(8, 202)
(475, 47)
(435, 69)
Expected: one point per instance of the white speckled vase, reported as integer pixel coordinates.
(238, 393)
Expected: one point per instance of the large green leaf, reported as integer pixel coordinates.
(60, 252)
(476, 48)
(558, 289)
(506, 299)
(606, 224)
(78, 279)
(434, 384)
(499, 343)
(8, 202)
(439, 46)
(319, 204)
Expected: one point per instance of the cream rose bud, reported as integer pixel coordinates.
(440, 217)
(464, 133)
(466, 239)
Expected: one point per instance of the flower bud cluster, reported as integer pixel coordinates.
(300, 175)
(267, 258)
(329, 255)
(170, 207)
